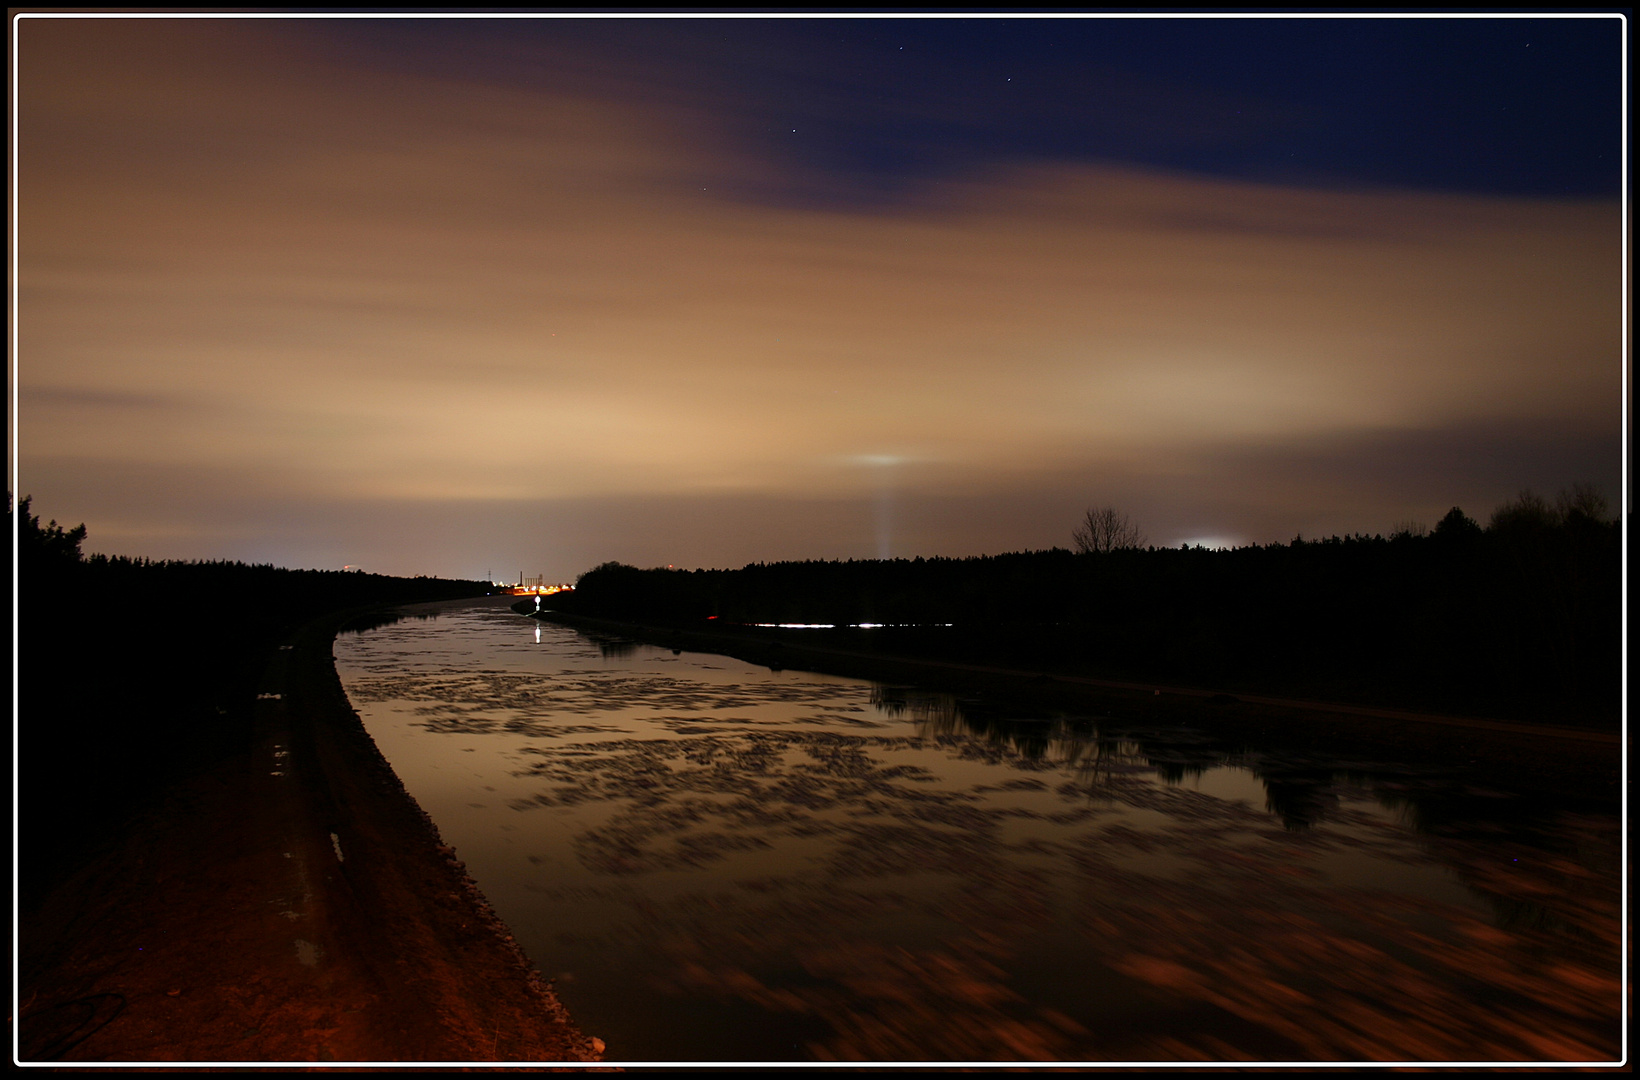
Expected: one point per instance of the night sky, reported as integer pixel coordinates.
(469, 296)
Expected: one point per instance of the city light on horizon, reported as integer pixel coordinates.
(422, 295)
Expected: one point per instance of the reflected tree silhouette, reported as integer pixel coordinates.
(888, 864)
(1302, 797)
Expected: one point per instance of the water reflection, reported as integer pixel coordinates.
(720, 861)
(375, 620)
(613, 648)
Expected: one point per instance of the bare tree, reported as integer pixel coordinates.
(1528, 510)
(1106, 528)
(1583, 501)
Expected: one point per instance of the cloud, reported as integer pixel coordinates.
(379, 287)
(1232, 493)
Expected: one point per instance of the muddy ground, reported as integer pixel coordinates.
(293, 905)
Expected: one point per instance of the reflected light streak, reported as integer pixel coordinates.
(833, 626)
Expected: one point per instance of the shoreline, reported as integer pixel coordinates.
(293, 905)
(1579, 762)
(296, 906)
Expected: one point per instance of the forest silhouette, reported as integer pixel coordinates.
(135, 674)
(1520, 619)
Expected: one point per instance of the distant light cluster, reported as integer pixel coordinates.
(833, 626)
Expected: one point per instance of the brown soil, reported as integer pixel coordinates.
(291, 906)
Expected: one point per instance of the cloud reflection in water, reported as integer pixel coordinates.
(881, 873)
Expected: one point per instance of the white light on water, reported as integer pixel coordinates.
(833, 626)
(816, 766)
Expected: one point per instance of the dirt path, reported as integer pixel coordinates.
(291, 906)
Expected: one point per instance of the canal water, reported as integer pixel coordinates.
(716, 861)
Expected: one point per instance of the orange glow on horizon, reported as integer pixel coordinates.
(262, 285)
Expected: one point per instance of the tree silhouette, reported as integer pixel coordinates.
(48, 546)
(1455, 525)
(1525, 512)
(1582, 502)
(1106, 528)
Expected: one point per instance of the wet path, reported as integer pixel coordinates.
(717, 861)
(287, 905)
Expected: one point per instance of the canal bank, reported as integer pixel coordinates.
(291, 905)
(1582, 762)
(297, 907)
(719, 860)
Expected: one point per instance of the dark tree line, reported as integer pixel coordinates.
(1521, 618)
(134, 673)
